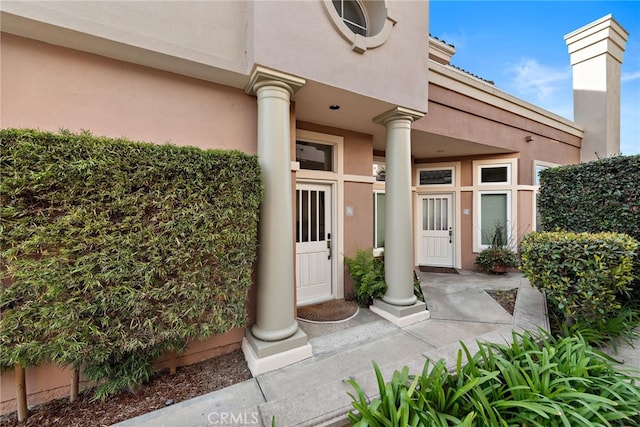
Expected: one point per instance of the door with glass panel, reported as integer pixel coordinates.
(436, 239)
(314, 251)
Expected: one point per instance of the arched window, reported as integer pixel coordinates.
(353, 15)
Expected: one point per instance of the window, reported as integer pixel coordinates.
(495, 174)
(435, 176)
(379, 171)
(494, 212)
(314, 156)
(364, 24)
(352, 14)
(538, 169)
(378, 219)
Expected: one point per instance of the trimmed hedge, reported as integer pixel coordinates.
(114, 251)
(603, 195)
(581, 272)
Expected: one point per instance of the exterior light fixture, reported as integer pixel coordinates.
(334, 107)
(528, 138)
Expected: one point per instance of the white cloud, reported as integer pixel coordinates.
(627, 77)
(528, 77)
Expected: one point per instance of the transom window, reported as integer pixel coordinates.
(435, 176)
(353, 15)
(314, 156)
(498, 174)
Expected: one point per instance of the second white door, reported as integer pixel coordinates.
(436, 232)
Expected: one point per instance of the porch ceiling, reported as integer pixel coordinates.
(356, 112)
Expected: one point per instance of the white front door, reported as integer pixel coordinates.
(314, 256)
(436, 240)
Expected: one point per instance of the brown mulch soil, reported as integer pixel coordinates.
(163, 390)
(507, 299)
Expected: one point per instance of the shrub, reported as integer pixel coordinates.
(535, 381)
(367, 273)
(580, 272)
(598, 196)
(114, 251)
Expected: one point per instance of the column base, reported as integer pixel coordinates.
(265, 356)
(401, 315)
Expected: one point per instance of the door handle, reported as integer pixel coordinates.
(450, 233)
(329, 245)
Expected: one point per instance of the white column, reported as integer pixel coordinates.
(596, 52)
(275, 339)
(399, 304)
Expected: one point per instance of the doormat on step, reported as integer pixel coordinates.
(426, 269)
(334, 311)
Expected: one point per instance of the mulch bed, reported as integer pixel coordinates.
(507, 299)
(163, 390)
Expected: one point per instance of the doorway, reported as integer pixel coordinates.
(436, 242)
(314, 243)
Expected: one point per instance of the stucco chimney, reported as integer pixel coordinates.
(596, 52)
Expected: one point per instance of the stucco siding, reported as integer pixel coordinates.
(299, 37)
(50, 87)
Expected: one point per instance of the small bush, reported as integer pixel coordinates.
(580, 272)
(536, 381)
(367, 273)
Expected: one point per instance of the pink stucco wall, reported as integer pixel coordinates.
(49, 87)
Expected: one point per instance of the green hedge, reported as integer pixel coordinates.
(581, 272)
(114, 251)
(602, 195)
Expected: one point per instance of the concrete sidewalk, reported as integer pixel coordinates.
(314, 392)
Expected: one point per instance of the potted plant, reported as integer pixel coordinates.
(497, 258)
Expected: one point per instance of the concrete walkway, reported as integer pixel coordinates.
(314, 392)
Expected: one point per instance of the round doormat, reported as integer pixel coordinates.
(334, 311)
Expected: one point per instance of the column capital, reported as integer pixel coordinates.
(398, 113)
(261, 76)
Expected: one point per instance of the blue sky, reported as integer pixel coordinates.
(520, 46)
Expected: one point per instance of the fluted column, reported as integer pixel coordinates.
(276, 329)
(399, 299)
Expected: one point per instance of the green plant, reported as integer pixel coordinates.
(581, 273)
(597, 196)
(367, 273)
(498, 257)
(113, 251)
(535, 381)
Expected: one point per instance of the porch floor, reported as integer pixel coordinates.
(313, 391)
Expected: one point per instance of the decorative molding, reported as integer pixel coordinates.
(398, 113)
(261, 76)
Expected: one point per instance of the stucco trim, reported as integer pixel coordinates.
(454, 80)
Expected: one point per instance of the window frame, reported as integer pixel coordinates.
(449, 168)
(508, 222)
(375, 219)
(483, 166)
